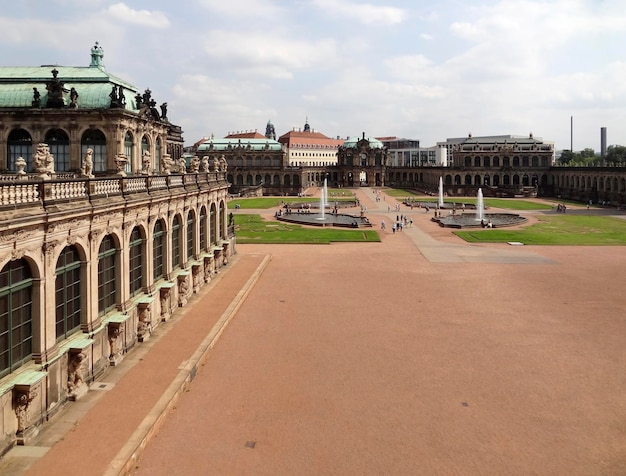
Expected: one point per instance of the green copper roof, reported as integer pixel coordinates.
(93, 85)
(352, 143)
(247, 144)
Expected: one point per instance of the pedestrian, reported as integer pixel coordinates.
(393, 228)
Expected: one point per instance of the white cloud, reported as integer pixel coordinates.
(268, 55)
(363, 12)
(122, 12)
(245, 9)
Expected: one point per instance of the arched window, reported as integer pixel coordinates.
(176, 242)
(145, 147)
(16, 322)
(95, 140)
(128, 152)
(107, 282)
(59, 146)
(222, 220)
(67, 293)
(19, 144)
(213, 224)
(203, 244)
(157, 155)
(158, 250)
(191, 223)
(136, 260)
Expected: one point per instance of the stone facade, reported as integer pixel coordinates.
(168, 235)
(104, 233)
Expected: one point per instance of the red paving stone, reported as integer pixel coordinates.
(102, 432)
(369, 359)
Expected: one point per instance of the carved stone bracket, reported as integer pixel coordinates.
(24, 393)
(144, 320)
(165, 298)
(115, 331)
(183, 288)
(208, 268)
(196, 276)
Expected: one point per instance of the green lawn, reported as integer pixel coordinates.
(251, 228)
(398, 192)
(504, 203)
(557, 230)
(262, 203)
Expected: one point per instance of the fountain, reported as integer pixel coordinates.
(472, 220)
(440, 202)
(321, 219)
(323, 201)
(480, 205)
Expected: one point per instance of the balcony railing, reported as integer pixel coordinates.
(31, 189)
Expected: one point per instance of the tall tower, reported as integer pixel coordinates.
(270, 132)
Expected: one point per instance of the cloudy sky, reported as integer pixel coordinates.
(421, 69)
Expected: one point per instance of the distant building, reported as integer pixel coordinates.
(310, 148)
(408, 153)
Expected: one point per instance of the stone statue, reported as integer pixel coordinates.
(145, 163)
(55, 91)
(87, 168)
(121, 99)
(120, 164)
(223, 163)
(182, 165)
(204, 164)
(36, 98)
(166, 164)
(73, 98)
(43, 160)
(114, 98)
(164, 110)
(216, 164)
(194, 166)
(75, 372)
(20, 164)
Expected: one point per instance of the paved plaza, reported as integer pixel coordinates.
(420, 355)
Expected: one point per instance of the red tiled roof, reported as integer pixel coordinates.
(308, 138)
(245, 135)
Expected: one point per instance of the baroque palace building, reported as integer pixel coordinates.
(104, 232)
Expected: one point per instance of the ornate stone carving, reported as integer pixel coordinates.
(183, 289)
(144, 324)
(164, 299)
(146, 162)
(166, 164)
(75, 377)
(182, 166)
(120, 164)
(20, 164)
(114, 330)
(194, 166)
(204, 164)
(22, 399)
(87, 168)
(43, 160)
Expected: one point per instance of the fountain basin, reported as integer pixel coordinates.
(472, 220)
(328, 219)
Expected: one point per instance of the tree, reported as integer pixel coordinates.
(566, 156)
(616, 155)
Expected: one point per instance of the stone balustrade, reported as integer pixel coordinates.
(30, 189)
